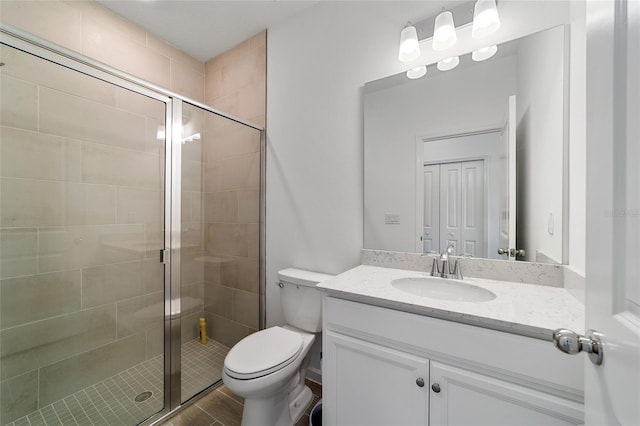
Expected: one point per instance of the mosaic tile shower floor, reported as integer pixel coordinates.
(112, 401)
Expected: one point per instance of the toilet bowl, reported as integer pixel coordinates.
(268, 368)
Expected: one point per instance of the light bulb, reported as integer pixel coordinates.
(417, 72)
(444, 32)
(448, 64)
(409, 46)
(485, 18)
(484, 53)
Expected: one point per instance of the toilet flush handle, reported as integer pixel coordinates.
(280, 284)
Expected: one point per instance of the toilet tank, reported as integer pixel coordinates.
(301, 302)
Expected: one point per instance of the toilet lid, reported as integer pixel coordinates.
(263, 352)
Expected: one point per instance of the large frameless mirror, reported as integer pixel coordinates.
(474, 156)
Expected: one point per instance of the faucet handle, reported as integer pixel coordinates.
(446, 268)
(435, 268)
(457, 271)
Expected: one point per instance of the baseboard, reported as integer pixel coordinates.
(314, 374)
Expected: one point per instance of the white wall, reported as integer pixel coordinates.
(577, 139)
(316, 67)
(442, 104)
(540, 142)
(317, 64)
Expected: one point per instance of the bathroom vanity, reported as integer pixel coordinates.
(392, 357)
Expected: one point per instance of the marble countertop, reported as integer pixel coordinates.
(525, 309)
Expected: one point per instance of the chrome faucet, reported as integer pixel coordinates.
(446, 271)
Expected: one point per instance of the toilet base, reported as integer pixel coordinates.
(300, 403)
(278, 410)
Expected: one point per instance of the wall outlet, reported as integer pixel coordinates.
(392, 218)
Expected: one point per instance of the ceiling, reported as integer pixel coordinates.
(206, 28)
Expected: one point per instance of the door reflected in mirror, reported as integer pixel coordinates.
(472, 157)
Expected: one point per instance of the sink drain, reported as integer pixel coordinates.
(143, 396)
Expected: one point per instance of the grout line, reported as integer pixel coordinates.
(198, 360)
(56, 413)
(83, 408)
(70, 412)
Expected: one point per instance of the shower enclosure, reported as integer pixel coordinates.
(127, 216)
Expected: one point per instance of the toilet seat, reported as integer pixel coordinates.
(263, 353)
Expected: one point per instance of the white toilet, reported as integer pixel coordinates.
(268, 367)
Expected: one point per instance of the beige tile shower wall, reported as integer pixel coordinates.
(81, 205)
(231, 217)
(235, 81)
(93, 30)
(192, 237)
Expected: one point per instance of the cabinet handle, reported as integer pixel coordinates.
(420, 382)
(435, 387)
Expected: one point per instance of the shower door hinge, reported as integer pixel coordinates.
(164, 255)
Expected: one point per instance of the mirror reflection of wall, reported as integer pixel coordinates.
(540, 116)
(442, 119)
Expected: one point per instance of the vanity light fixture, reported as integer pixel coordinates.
(444, 32)
(484, 53)
(417, 72)
(485, 18)
(409, 46)
(440, 31)
(448, 64)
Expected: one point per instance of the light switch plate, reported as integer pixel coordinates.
(392, 218)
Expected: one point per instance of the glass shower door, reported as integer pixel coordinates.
(220, 246)
(82, 218)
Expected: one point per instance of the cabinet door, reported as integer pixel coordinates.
(467, 398)
(369, 384)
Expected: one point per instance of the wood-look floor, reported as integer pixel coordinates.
(220, 407)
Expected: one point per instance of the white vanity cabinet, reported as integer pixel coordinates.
(370, 379)
(387, 367)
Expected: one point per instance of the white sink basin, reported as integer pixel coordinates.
(443, 289)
